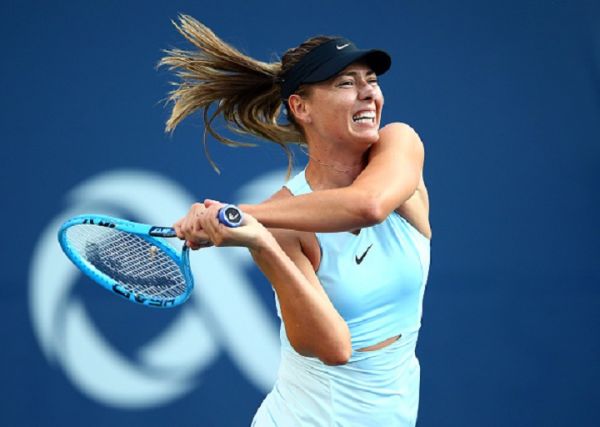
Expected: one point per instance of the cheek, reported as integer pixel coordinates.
(379, 99)
(335, 109)
(342, 107)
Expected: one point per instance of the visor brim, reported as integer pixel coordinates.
(378, 60)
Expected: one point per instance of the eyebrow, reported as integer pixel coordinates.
(355, 73)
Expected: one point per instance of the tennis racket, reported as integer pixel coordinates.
(133, 260)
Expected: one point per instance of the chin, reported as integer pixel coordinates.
(370, 136)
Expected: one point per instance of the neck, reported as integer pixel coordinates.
(327, 171)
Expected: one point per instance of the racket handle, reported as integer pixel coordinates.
(231, 216)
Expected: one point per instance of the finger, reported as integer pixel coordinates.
(210, 202)
(205, 244)
(193, 246)
(195, 218)
(204, 221)
(200, 237)
(198, 245)
(177, 228)
(185, 223)
(211, 225)
(198, 209)
(196, 222)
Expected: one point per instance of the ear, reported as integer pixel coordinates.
(299, 108)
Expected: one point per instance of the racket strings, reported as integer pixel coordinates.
(138, 265)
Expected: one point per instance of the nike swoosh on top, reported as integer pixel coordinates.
(360, 259)
(338, 47)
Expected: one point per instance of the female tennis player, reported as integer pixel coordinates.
(347, 244)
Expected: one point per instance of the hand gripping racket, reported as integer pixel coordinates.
(132, 259)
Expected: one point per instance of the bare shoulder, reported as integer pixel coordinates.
(398, 127)
(400, 132)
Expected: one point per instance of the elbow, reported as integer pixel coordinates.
(373, 212)
(337, 352)
(332, 354)
(338, 357)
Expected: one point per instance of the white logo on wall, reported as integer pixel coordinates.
(229, 317)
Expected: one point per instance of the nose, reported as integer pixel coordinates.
(366, 91)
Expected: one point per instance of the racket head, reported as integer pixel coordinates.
(123, 257)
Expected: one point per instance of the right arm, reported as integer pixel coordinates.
(313, 325)
(391, 177)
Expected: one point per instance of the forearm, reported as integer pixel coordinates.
(313, 326)
(340, 209)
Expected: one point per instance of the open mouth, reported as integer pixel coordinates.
(364, 117)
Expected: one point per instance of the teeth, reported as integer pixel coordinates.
(364, 117)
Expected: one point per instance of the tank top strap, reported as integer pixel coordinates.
(298, 185)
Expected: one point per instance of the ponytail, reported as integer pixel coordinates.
(245, 92)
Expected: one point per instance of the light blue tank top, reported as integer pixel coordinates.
(375, 279)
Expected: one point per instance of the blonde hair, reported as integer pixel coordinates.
(245, 91)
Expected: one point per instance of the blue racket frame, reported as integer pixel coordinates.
(229, 215)
(152, 234)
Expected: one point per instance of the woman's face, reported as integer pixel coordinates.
(346, 107)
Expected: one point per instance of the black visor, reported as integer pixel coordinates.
(327, 60)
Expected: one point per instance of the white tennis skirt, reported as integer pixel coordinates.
(375, 388)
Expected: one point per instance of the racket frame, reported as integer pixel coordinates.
(152, 234)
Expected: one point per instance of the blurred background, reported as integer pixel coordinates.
(505, 96)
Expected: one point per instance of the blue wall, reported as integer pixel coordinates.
(506, 97)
